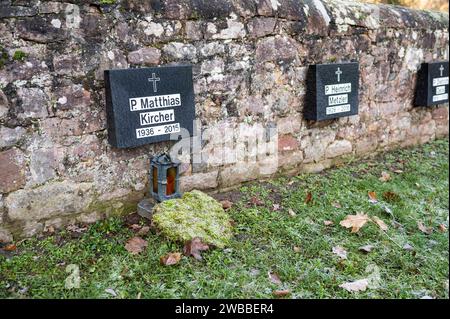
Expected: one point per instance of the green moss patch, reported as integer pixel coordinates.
(19, 55)
(194, 215)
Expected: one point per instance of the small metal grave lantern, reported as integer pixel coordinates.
(164, 174)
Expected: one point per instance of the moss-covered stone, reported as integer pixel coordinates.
(194, 215)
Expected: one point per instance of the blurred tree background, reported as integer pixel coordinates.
(441, 5)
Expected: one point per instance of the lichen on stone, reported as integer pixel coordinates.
(194, 215)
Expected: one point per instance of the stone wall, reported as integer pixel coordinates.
(250, 59)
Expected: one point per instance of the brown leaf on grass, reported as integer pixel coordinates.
(76, 229)
(256, 201)
(136, 245)
(355, 286)
(398, 171)
(380, 223)
(143, 231)
(340, 252)
(385, 177)
(49, 230)
(391, 197)
(281, 293)
(10, 247)
(442, 228)
(308, 198)
(135, 227)
(424, 229)
(170, 259)
(373, 197)
(355, 221)
(226, 204)
(297, 249)
(194, 248)
(328, 223)
(274, 278)
(291, 212)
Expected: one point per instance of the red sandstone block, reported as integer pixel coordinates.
(440, 113)
(12, 170)
(287, 143)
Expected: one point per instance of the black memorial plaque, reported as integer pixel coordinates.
(432, 84)
(332, 91)
(146, 105)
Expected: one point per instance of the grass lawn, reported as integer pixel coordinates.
(271, 219)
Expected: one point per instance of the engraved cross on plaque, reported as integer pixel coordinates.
(339, 73)
(154, 79)
(442, 70)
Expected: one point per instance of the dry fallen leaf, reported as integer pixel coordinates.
(398, 171)
(391, 197)
(10, 247)
(135, 227)
(380, 223)
(226, 204)
(366, 248)
(423, 228)
(355, 286)
(385, 177)
(143, 231)
(194, 248)
(76, 229)
(308, 198)
(256, 201)
(373, 197)
(274, 278)
(49, 230)
(136, 245)
(442, 228)
(281, 293)
(291, 183)
(328, 223)
(355, 221)
(291, 212)
(297, 249)
(170, 259)
(340, 252)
